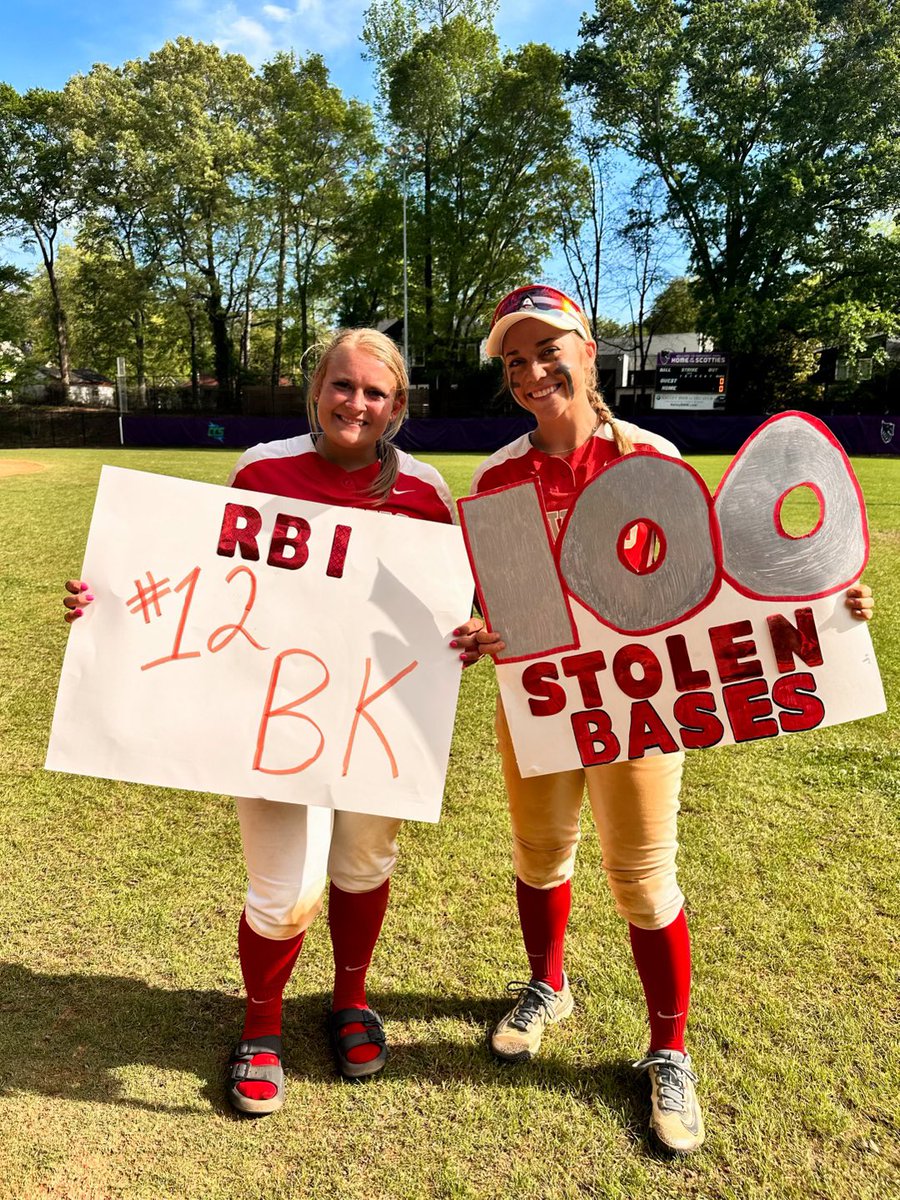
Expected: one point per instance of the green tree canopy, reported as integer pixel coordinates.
(773, 126)
(315, 148)
(38, 163)
(675, 308)
(491, 161)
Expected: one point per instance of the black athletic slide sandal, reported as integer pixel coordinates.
(241, 1069)
(371, 1035)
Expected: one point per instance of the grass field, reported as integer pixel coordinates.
(120, 987)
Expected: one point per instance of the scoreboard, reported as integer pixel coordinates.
(691, 380)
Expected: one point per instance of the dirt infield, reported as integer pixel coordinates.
(20, 466)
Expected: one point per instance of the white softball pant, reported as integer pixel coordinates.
(291, 850)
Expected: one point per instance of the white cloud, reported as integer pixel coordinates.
(242, 34)
(276, 13)
(327, 24)
(259, 30)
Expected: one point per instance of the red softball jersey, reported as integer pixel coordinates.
(294, 468)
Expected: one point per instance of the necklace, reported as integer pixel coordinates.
(563, 453)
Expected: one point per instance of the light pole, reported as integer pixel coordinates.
(403, 156)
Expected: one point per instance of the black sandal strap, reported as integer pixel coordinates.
(242, 1069)
(373, 1037)
(355, 1016)
(240, 1072)
(267, 1044)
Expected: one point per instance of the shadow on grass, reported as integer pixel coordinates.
(67, 1035)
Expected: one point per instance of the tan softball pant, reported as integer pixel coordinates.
(292, 849)
(635, 807)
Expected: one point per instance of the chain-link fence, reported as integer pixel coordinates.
(33, 427)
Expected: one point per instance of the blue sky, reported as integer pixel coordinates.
(49, 40)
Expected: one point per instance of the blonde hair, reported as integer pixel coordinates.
(624, 444)
(381, 347)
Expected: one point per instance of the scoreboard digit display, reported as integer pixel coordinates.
(691, 380)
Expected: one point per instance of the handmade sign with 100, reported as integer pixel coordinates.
(732, 630)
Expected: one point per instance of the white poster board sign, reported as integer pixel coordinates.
(263, 646)
(731, 630)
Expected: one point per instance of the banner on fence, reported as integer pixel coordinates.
(261, 646)
(664, 618)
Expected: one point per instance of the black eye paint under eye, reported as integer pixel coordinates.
(562, 369)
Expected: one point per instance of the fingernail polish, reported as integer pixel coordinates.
(88, 595)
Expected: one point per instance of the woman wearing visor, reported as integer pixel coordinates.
(549, 360)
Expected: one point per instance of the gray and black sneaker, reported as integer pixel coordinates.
(675, 1120)
(517, 1038)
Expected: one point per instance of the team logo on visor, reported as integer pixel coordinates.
(539, 298)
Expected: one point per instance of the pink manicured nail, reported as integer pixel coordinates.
(453, 645)
(76, 613)
(88, 595)
(457, 632)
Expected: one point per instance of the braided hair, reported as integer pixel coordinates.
(623, 442)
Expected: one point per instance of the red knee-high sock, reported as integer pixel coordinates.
(266, 964)
(543, 915)
(354, 920)
(663, 960)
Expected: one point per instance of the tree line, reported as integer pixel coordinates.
(201, 217)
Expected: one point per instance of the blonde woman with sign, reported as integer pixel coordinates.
(358, 398)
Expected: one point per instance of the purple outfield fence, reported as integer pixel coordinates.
(238, 432)
(708, 434)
